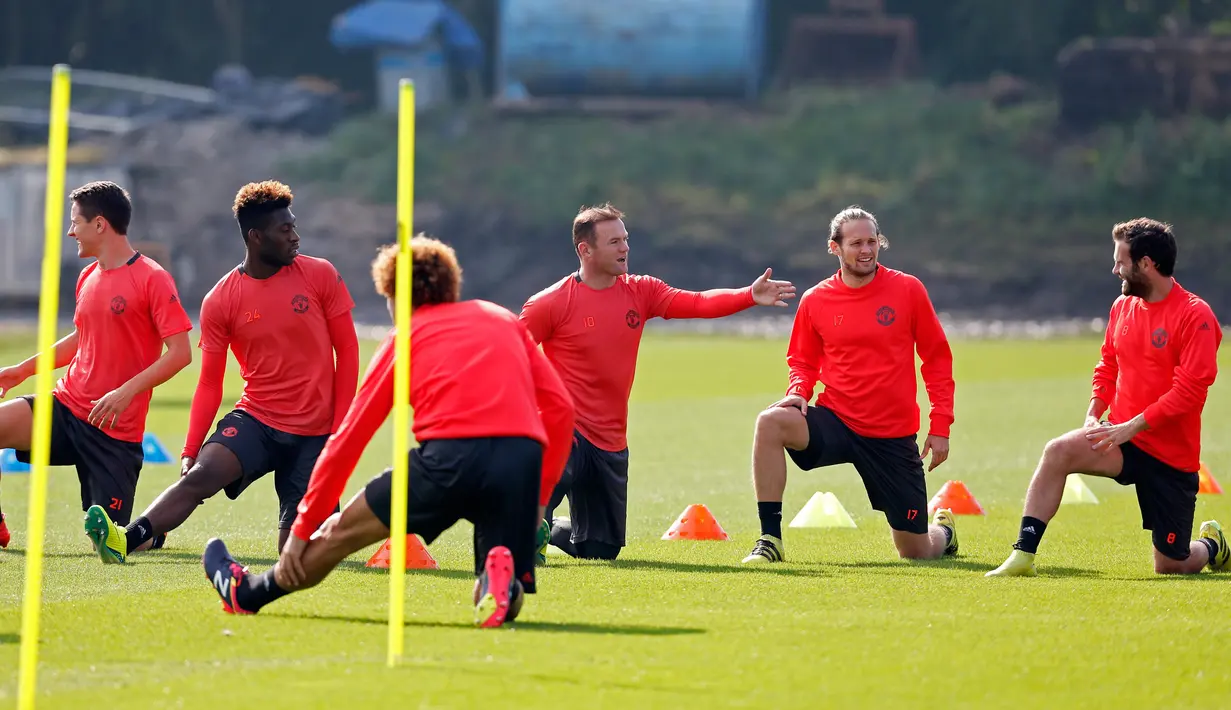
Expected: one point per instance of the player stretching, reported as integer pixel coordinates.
(857, 333)
(127, 310)
(284, 315)
(492, 419)
(590, 324)
(1158, 360)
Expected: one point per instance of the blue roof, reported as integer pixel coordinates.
(404, 23)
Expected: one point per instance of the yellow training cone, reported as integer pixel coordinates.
(1076, 491)
(823, 511)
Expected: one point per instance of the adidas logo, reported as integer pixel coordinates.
(1029, 529)
(1204, 326)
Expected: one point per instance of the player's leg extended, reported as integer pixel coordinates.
(216, 468)
(1063, 456)
(16, 423)
(343, 534)
(777, 429)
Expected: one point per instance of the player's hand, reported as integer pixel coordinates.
(109, 407)
(11, 377)
(186, 465)
(1092, 422)
(771, 293)
(939, 446)
(792, 401)
(1105, 436)
(288, 572)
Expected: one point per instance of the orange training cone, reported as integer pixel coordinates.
(696, 523)
(955, 496)
(417, 556)
(1208, 483)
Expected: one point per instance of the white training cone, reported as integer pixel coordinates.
(1076, 491)
(823, 510)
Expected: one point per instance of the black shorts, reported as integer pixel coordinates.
(492, 482)
(1167, 498)
(891, 469)
(261, 449)
(107, 468)
(596, 484)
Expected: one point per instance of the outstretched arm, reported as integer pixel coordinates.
(14, 375)
(721, 302)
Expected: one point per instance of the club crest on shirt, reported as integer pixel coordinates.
(886, 315)
(632, 318)
(299, 303)
(1159, 338)
(118, 305)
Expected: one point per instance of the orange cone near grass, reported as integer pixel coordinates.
(696, 523)
(955, 496)
(1208, 483)
(417, 556)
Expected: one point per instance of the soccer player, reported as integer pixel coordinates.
(285, 316)
(857, 332)
(492, 419)
(127, 310)
(1158, 360)
(589, 324)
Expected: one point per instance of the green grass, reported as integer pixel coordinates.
(671, 624)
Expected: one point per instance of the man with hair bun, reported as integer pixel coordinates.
(493, 422)
(285, 316)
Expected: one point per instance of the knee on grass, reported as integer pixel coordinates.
(914, 546)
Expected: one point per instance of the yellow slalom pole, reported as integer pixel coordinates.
(40, 447)
(401, 370)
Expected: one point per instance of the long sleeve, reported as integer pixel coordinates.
(937, 368)
(558, 416)
(346, 367)
(205, 401)
(1198, 368)
(341, 454)
(714, 303)
(803, 353)
(1106, 370)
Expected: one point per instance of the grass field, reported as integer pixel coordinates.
(670, 624)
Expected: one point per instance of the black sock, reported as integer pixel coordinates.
(1031, 533)
(1212, 546)
(258, 590)
(771, 518)
(138, 532)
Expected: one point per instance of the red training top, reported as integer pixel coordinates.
(1159, 359)
(283, 331)
(475, 373)
(861, 342)
(122, 317)
(592, 337)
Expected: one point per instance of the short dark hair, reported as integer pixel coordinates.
(105, 199)
(588, 218)
(1148, 237)
(256, 201)
(436, 277)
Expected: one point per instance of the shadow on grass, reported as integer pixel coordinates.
(260, 564)
(961, 565)
(6, 639)
(667, 566)
(574, 627)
